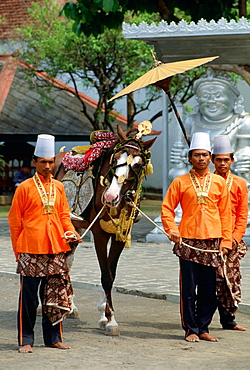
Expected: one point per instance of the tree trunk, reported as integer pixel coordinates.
(242, 5)
(165, 13)
(130, 109)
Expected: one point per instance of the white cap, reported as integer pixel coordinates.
(222, 145)
(200, 140)
(45, 146)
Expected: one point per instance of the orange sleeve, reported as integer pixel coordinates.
(241, 213)
(15, 217)
(169, 204)
(224, 206)
(65, 213)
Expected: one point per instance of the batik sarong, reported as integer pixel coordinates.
(228, 284)
(58, 291)
(228, 274)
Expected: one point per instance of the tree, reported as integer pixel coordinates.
(94, 16)
(104, 62)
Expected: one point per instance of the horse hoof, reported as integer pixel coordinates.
(112, 330)
(102, 324)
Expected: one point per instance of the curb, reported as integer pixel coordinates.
(170, 297)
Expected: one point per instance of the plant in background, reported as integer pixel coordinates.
(2, 163)
(105, 63)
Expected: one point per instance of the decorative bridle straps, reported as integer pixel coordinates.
(126, 145)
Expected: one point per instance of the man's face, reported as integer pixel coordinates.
(216, 101)
(200, 159)
(222, 163)
(44, 166)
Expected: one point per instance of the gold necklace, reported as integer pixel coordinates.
(229, 180)
(201, 191)
(48, 201)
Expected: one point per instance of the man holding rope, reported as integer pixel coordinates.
(204, 232)
(223, 158)
(40, 228)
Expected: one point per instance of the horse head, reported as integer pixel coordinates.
(127, 166)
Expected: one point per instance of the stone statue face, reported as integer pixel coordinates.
(216, 101)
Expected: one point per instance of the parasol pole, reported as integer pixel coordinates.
(164, 84)
(178, 117)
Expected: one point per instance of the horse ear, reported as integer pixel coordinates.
(147, 144)
(121, 133)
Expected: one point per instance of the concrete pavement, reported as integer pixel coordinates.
(151, 338)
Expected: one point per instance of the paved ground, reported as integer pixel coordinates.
(151, 335)
(151, 338)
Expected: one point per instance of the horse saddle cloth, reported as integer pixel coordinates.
(79, 190)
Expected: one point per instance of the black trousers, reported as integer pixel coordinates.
(227, 319)
(198, 300)
(26, 317)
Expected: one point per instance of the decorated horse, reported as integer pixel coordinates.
(112, 170)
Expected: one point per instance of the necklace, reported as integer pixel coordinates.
(201, 190)
(48, 200)
(229, 180)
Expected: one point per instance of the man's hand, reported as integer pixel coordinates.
(175, 237)
(72, 237)
(78, 238)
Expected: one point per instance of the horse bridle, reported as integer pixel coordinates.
(125, 146)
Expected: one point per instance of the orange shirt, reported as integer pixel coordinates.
(199, 221)
(239, 205)
(32, 231)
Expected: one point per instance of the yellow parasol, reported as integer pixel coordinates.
(160, 75)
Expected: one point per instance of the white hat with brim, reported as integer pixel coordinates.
(45, 146)
(200, 140)
(222, 145)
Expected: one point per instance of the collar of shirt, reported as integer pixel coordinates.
(224, 177)
(199, 176)
(43, 179)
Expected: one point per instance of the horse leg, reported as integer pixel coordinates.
(108, 264)
(111, 326)
(113, 257)
(102, 307)
(101, 240)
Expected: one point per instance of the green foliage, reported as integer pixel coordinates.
(2, 20)
(104, 62)
(149, 18)
(92, 17)
(181, 86)
(206, 9)
(1, 166)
